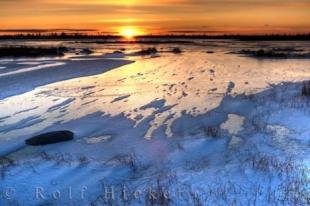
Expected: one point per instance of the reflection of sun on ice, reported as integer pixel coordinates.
(130, 32)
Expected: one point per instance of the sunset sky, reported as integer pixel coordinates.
(159, 16)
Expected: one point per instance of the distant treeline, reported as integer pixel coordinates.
(269, 37)
(56, 36)
(70, 36)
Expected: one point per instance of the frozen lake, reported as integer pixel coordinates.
(189, 120)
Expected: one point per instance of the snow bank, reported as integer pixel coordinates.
(268, 164)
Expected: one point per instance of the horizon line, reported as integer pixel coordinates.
(153, 38)
(94, 32)
(83, 32)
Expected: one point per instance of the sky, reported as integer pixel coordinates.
(158, 16)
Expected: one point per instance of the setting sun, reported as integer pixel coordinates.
(130, 32)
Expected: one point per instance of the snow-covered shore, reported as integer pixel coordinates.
(178, 129)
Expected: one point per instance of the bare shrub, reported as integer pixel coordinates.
(197, 165)
(158, 195)
(212, 131)
(83, 160)
(196, 199)
(5, 163)
(128, 160)
(306, 88)
(45, 156)
(58, 158)
(272, 164)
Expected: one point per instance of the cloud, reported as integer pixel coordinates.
(183, 14)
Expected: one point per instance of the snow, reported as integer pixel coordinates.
(157, 126)
(233, 124)
(95, 140)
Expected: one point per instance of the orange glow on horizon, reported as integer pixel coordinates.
(131, 18)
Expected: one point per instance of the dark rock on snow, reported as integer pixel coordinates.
(176, 50)
(50, 138)
(28, 51)
(86, 51)
(148, 51)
